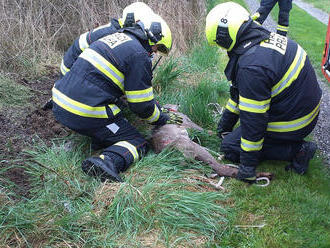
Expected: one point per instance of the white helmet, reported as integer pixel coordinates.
(223, 23)
(134, 12)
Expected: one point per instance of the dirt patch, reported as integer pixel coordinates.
(19, 130)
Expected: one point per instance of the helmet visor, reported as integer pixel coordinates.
(162, 49)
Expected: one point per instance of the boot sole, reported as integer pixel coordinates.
(95, 169)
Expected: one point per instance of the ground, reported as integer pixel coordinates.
(19, 131)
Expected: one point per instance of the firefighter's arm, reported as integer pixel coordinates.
(139, 91)
(71, 55)
(254, 103)
(230, 115)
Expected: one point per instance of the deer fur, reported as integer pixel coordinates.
(177, 136)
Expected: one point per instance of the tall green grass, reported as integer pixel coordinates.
(157, 197)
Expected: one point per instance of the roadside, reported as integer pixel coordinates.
(322, 131)
(311, 10)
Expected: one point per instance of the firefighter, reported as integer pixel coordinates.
(274, 92)
(87, 98)
(131, 13)
(283, 15)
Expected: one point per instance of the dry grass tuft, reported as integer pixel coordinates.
(150, 240)
(104, 196)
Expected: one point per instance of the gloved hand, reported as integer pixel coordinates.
(247, 174)
(48, 105)
(255, 16)
(174, 118)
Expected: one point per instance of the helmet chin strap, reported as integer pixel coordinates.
(151, 36)
(154, 67)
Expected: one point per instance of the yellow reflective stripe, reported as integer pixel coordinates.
(76, 107)
(282, 28)
(120, 21)
(253, 106)
(104, 66)
(135, 96)
(287, 126)
(83, 44)
(232, 106)
(64, 69)
(292, 73)
(132, 149)
(155, 115)
(248, 146)
(114, 108)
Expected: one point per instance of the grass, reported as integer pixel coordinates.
(294, 210)
(158, 198)
(12, 94)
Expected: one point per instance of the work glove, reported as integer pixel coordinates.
(174, 118)
(247, 174)
(48, 105)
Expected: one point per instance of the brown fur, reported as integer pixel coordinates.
(177, 136)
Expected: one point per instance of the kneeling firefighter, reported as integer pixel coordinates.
(87, 98)
(274, 93)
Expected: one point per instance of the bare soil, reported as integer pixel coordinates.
(19, 131)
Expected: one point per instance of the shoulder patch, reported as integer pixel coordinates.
(115, 39)
(276, 42)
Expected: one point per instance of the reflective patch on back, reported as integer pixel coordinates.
(276, 42)
(113, 127)
(115, 39)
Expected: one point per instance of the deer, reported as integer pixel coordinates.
(176, 136)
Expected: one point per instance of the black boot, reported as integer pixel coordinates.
(247, 174)
(301, 160)
(102, 167)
